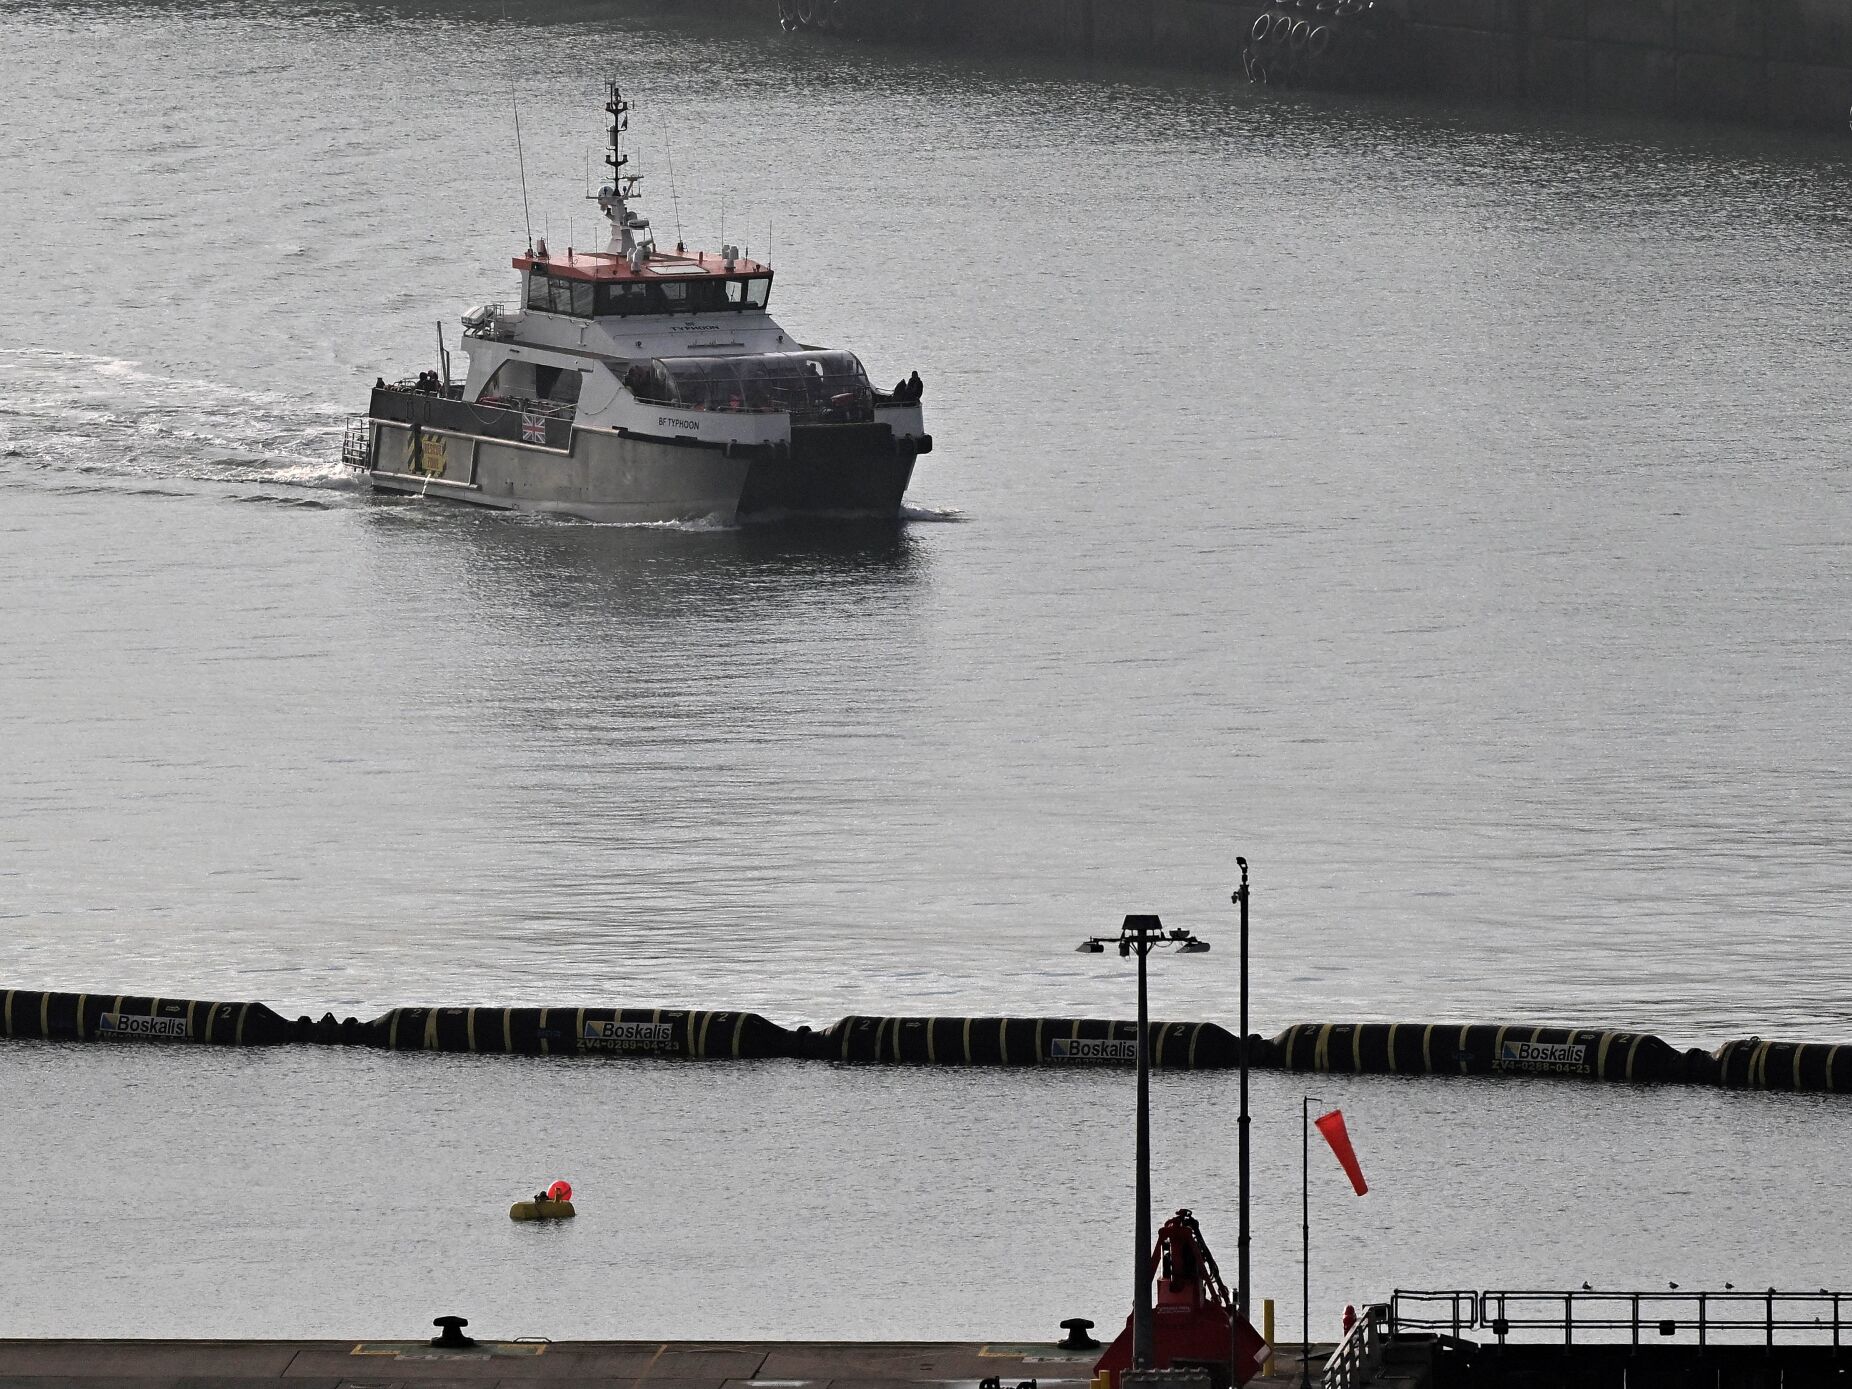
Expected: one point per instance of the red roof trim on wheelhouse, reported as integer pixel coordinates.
(659, 267)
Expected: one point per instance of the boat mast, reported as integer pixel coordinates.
(629, 233)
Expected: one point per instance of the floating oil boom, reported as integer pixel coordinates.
(1371, 1048)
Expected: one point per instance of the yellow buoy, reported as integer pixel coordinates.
(541, 1210)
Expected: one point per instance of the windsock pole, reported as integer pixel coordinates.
(1305, 1240)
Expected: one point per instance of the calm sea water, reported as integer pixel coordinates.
(1448, 511)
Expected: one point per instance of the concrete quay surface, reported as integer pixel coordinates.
(533, 1364)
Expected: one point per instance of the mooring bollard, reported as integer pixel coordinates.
(451, 1335)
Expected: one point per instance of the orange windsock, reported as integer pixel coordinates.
(1332, 1126)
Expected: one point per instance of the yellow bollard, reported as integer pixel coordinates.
(1266, 1333)
(1102, 1380)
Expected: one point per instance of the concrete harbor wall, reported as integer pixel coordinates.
(1777, 62)
(1781, 62)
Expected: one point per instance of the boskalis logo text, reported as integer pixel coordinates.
(1092, 1049)
(142, 1025)
(629, 1036)
(1543, 1056)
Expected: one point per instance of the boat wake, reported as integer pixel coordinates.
(103, 423)
(912, 513)
(73, 422)
(772, 523)
(700, 525)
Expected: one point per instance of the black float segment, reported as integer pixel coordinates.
(1403, 1048)
(56, 1017)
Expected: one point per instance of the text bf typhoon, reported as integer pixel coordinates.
(635, 384)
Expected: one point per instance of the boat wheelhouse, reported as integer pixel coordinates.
(637, 384)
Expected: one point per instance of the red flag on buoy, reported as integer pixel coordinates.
(1332, 1126)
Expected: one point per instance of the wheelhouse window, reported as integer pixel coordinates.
(623, 298)
(516, 382)
(559, 384)
(626, 297)
(707, 296)
(823, 385)
(561, 294)
(513, 380)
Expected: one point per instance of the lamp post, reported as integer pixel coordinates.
(1137, 935)
(1241, 1128)
(1140, 934)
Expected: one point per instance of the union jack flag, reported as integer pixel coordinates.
(534, 428)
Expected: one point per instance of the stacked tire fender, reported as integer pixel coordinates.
(1345, 44)
(814, 14)
(872, 17)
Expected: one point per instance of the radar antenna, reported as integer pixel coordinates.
(630, 236)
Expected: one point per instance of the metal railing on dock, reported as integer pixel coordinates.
(1360, 1354)
(1595, 1316)
(1453, 1310)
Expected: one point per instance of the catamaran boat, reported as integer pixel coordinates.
(635, 384)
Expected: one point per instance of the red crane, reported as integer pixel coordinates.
(1194, 1314)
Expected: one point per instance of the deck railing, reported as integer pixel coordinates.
(1453, 1310)
(1360, 1354)
(524, 421)
(357, 443)
(1593, 1315)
